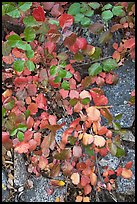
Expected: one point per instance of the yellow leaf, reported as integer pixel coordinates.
(4, 187)
(57, 199)
(57, 182)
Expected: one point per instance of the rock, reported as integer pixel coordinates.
(109, 160)
(119, 94)
(128, 136)
(5, 190)
(39, 194)
(127, 186)
(20, 172)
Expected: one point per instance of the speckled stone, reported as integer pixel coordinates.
(20, 172)
(5, 193)
(127, 186)
(39, 194)
(110, 161)
(128, 136)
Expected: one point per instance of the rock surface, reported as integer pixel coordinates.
(20, 172)
(5, 191)
(39, 192)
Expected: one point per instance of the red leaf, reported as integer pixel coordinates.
(33, 107)
(85, 94)
(100, 100)
(84, 180)
(109, 78)
(72, 83)
(74, 48)
(77, 151)
(77, 76)
(82, 43)
(22, 147)
(8, 59)
(50, 46)
(78, 107)
(93, 113)
(109, 134)
(81, 166)
(119, 171)
(31, 89)
(57, 10)
(5, 137)
(103, 152)
(52, 119)
(37, 137)
(27, 136)
(30, 122)
(33, 144)
(116, 55)
(129, 165)
(102, 130)
(115, 46)
(129, 43)
(38, 14)
(67, 168)
(87, 189)
(42, 162)
(48, 5)
(74, 123)
(41, 101)
(126, 173)
(63, 93)
(66, 20)
(100, 81)
(73, 94)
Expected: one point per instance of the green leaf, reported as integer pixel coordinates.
(84, 7)
(107, 6)
(73, 101)
(96, 54)
(116, 126)
(94, 5)
(53, 70)
(13, 132)
(62, 56)
(62, 73)
(30, 21)
(10, 10)
(85, 101)
(57, 79)
(20, 136)
(22, 45)
(65, 85)
(68, 75)
(117, 11)
(78, 56)
(22, 127)
(107, 15)
(24, 6)
(9, 105)
(30, 65)
(120, 152)
(85, 22)
(63, 155)
(19, 65)
(118, 116)
(108, 115)
(78, 17)
(95, 69)
(89, 13)
(72, 140)
(89, 151)
(62, 64)
(27, 113)
(52, 21)
(74, 9)
(109, 64)
(29, 34)
(29, 53)
(13, 40)
(132, 100)
(3, 111)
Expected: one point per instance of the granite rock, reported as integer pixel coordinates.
(5, 191)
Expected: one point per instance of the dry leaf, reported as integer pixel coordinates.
(86, 199)
(79, 199)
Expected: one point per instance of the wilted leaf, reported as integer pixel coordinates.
(55, 170)
(129, 43)
(106, 113)
(105, 37)
(63, 155)
(85, 94)
(113, 148)
(67, 168)
(96, 28)
(126, 173)
(86, 199)
(75, 177)
(8, 59)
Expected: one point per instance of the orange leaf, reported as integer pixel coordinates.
(93, 179)
(86, 199)
(87, 139)
(79, 199)
(126, 173)
(42, 162)
(129, 43)
(99, 141)
(93, 113)
(102, 130)
(129, 165)
(75, 177)
(33, 108)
